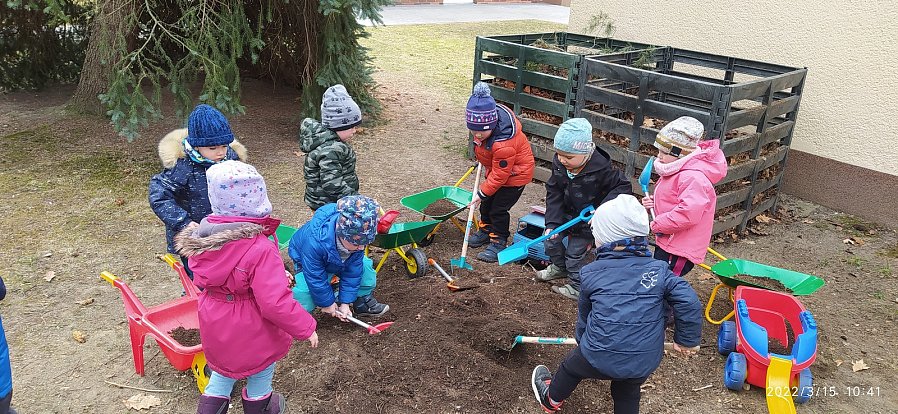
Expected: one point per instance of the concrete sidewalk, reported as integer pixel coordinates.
(451, 13)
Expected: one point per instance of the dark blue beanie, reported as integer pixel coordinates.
(208, 127)
(481, 114)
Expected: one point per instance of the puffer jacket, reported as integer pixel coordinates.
(178, 195)
(248, 317)
(620, 316)
(505, 155)
(5, 367)
(314, 249)
(329, 167)
(599, 181)
(685, 201)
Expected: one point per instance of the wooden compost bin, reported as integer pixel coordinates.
(750, 106)
(537, 76)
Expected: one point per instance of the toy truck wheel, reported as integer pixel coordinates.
(735, 371)
(417, 265)
(805, 386)
(201, 371)
(427, 241)
(726, 338)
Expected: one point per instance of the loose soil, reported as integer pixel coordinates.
(764, 282)
(443, 354)
(439, 208)
(186, 337)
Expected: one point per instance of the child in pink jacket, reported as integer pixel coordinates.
(248, 317)
(684, 198)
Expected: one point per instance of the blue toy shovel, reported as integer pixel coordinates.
(520, 249)
(645, 177)
(461, 262)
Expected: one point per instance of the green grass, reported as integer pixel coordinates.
(890, 252)
(857, 227)
(440, 56)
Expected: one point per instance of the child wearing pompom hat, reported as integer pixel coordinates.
(178, 195)
(684, 199)
(329, 165)
(248, 318)
(504, 151)
(331, 244)
(582, 175)
(620, 320)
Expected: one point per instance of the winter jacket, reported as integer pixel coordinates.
(178, 194)
(621, 318)
(5, 367)
(329, 167)
(506, 155)
(685, 202)
(599, 181)
(314, 249)
(248, 317)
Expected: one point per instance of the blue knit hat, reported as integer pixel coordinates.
(357, 222)
(575, 136)
(208, 127)
(481, 113)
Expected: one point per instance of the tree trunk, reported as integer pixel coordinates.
(102, 52)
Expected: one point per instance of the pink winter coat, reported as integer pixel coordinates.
(248, 317)
(685, 201)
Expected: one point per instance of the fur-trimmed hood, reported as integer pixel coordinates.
(204, 237)
(171, 148)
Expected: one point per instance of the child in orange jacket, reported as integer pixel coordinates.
(504, 151)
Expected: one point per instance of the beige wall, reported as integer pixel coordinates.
(849, 108)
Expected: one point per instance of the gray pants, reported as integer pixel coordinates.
(571, 258)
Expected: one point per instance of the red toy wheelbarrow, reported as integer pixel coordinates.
(158, 321)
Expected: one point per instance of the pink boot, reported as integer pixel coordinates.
(273, 403)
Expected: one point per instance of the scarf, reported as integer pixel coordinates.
(639, 246)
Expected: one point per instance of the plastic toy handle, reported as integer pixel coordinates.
(439, 268)
(109, 277)
(714, 252)
(585, 214)
(545, 340)
(169, 258)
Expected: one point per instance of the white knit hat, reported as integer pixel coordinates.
(680, 136)
(622, 218)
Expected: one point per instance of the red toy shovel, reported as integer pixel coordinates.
(372, 329)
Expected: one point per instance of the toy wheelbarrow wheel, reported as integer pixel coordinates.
(416, 263)
(201, 372)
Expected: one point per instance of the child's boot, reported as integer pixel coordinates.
(568, 290)
(491, 254)
(212, 405)
(550, 273)
(540, 380)
(480, 238)
(369, 306)
(273, 403)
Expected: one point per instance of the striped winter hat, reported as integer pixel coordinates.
(480, 113)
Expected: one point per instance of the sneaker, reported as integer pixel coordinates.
(491, 254)
(369, 306)
(479, 238)
(540, 380)
(550, 273)
(567, 291)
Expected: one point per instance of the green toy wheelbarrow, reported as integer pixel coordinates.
(727, 270)
(454, 198)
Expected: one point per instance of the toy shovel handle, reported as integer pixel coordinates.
(440, 269)
(519, 250)
(585, 214)
(545, 340)
(354, 320)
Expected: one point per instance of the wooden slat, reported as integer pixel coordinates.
(617, 153)
(656, 109)
(546, 81)
(536, 127)
(498, 47)
(783, 106)
(607, 123)
(550, 57)
(756, 88)
(738, 172)
(609, 97)
(733, 197)
(728, 222)
(498, 70)
(541, 174)
(544, 105)
(541, 152)
(741, 144)
(745, 117)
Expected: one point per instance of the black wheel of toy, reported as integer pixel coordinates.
(417, 266)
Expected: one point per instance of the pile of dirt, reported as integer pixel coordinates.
(439, 208)
(186, 337)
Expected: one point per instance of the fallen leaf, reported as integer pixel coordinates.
(839, 362)
(749, 242)
(49, 276)
(848, 241)
(808, 221)
(762, 218)
(859, 365)
(141, 401)
(86, 302)
(79, 336)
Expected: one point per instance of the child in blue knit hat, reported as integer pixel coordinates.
(582, 175)
(178, 195)
(329, 256)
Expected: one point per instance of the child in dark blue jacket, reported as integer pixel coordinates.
(620, 318)
(178, 195)
(5, 369)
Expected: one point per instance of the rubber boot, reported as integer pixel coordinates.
(273, 403)
(212, 405)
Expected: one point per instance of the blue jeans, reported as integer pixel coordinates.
(257, 385)
(366, 285)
